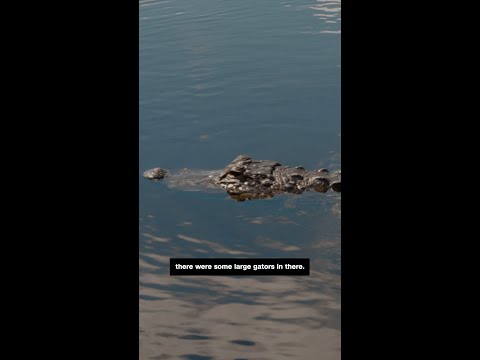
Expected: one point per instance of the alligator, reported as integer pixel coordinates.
(246, 179)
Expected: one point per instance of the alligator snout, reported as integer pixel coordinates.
(155, 174)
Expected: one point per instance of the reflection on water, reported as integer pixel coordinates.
(220, 78)
(240, 317)
(243, 317)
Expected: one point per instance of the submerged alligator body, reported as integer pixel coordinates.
(245, 178)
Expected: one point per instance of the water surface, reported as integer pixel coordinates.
(220, 78)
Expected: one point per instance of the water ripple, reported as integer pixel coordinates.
(219, 78)
(236, 316)
(329, 12)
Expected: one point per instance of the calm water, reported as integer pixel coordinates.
(220, 78)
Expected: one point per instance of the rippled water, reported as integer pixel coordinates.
(220, 78)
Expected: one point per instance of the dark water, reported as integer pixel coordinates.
(220, 78)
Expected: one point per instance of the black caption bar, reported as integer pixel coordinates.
(234, 267)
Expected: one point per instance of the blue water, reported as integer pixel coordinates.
(220, 78)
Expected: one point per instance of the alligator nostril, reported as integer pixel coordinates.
(154, 174)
